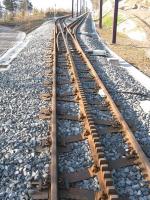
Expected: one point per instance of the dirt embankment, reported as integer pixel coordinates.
(133, 42)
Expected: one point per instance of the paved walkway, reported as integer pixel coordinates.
(8, 38)
(10, 41)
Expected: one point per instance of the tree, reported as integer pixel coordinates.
(30, 6)
(1, 10)
(10, 5)
(25, 5)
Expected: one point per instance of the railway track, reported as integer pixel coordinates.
(81, 113)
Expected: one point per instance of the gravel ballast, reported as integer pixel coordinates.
(21, 130)
(79, 155)
(127, 93)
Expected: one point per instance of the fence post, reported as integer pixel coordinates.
(77, 7)
(100, 13)
(72, 8)
(115, 22)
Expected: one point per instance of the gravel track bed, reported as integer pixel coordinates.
(69, 127)
(21, 131)
(130, 183)
(126, 92)
(69, 108)
(78, 158)
(121, 84)
(80, 155)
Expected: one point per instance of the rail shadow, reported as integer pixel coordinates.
(124, 100)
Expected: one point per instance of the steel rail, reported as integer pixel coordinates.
(142, 160)
(102, 169)
(101, 166)
(53, 189)
(53, 192)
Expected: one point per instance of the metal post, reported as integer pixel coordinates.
(115, 22)
(84, 6)
(72, 8)
(54, 10)
(100, 13)
(77, 7)
(80, 7)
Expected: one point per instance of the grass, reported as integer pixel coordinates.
(127, 48)
(26, 22)
(108, 20)
(18, 19)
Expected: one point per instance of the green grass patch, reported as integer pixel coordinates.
(108, 20)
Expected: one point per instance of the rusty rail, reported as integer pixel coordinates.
(101, 168)
(143, 161)
(53, 172)
(53, 190)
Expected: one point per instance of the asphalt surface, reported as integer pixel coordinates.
(8, 38)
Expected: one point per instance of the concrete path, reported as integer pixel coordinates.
(9, 39)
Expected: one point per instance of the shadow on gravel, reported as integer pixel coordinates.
(126, 98)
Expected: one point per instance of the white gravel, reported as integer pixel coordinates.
(21, 130)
